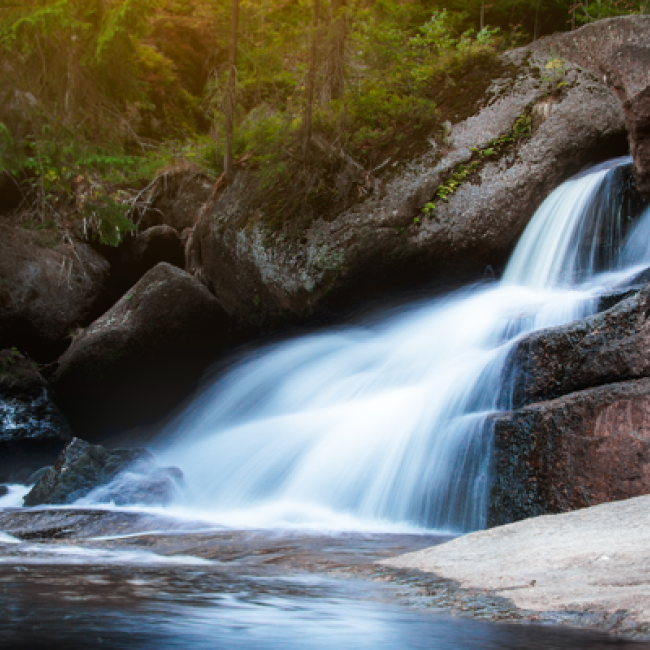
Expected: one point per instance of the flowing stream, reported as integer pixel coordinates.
(383, 426)
(308, 461)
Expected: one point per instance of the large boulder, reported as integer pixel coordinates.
(177, 197)
(47, 289)
(121, 476)
(608, 347)
(618, 50)
(264, 276)
(590, 447)
(32, 429)
(143, 356)
(637, 117)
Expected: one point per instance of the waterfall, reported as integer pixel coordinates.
(385, 422)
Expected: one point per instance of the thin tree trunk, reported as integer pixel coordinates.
(334, 61)
(68, 98)
(482, 14)
(311, 75)
(230, 92)
(573, 16)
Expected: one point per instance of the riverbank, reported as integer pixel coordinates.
(589, 568)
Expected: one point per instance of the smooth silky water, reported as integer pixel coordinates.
(322, 454)
(384, 425)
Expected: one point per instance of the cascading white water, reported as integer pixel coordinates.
(386, 422)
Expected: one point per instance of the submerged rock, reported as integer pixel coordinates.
(590, 447)
(32, 429)
(123, 476)
(45, 293)
(143, 356)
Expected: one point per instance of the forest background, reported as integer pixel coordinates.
(108, 94)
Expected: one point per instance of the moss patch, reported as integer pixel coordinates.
(495, 149)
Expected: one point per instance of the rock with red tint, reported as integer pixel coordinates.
(580, 450)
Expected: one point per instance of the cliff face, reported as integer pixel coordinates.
(545, 125)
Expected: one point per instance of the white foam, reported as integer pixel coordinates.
(14, 497)
(28, 553)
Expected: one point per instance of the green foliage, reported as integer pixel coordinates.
(598, 9)
(113, 91)
(521, 129)
(554, 73)
(107, 220)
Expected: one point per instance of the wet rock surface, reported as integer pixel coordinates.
(142, 356)
(608, 347)
(32, 429)
(122, 476)
(45, 292)
(583, 449)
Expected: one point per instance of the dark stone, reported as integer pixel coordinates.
(637, 117)
(608, 347)
(608, 300)
(4, 490)
(156, 487)
(32, 429)
(140, 254)
(34, 477)
(178, 198)
(590, 447)
(10, 193)
(125, 476)
(45, 293)
(137, 361)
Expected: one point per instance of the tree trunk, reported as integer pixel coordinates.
(311, 75)
(68, 98)
(482, 14)
(230, 92)
(573, 16)
(334, 78)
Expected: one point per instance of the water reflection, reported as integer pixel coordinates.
(230, 589)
